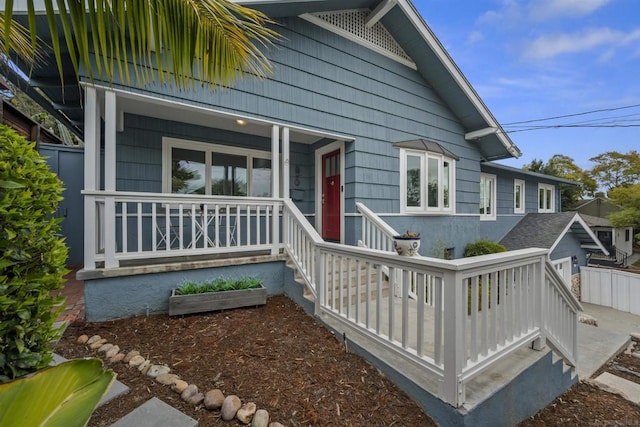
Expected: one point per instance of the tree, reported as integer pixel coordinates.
(614, 169)
(629, 198)
(169, 40)
(562, 166)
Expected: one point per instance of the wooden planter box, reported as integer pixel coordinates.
(213, 301)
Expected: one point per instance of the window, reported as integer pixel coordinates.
(546, 198)
(487, 196)
(518, 196)
(199, 168)
(426, 181)
(627, 235)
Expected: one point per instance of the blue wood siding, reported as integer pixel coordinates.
(569, 246)
(326, 82)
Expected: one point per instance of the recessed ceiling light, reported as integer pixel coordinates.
(241, 122)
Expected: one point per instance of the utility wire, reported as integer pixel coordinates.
(572, 115)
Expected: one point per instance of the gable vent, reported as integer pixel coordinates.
(351, 24)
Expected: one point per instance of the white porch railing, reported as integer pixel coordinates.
(376, 234)
(300, 240)
(132, 226)
(484, 308)
(452, 319)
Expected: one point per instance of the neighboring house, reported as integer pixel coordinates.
(566, 235)
(618, 240)
(366, 126)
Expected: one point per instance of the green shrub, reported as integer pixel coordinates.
(32, 257)
(483, 247)
(218, 285)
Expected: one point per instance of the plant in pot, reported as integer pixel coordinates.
(216, 294)
(407, 244)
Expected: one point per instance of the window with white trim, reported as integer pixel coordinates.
(200, 168)
(427, 181)
(546, 198)
(487, 196)
(518, 196)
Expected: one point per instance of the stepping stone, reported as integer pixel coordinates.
(117, 388)
(154, 412)
(612, 383)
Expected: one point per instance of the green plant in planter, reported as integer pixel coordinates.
(32, 257)
(218, 285)
(64, 395)
(483, 247)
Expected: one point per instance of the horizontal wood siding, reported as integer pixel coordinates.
(326, 82)
(569, 246)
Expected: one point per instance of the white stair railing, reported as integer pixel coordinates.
(562, 310)
(376, 234)
(300, 240)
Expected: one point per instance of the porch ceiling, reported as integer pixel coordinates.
(165, 109)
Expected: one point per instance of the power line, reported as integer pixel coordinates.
(572, 115)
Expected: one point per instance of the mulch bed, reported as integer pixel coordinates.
(275, 355)
(283, 360)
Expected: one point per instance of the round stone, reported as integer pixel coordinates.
(245, 413)
(230, 407)
(156, 370)
(260, 419)
(213, 399)
(93, 339)
(167, 379)
(82, 339)
(179, 386)
(131, 355)
(136, 361)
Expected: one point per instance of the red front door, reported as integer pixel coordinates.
(331, 187)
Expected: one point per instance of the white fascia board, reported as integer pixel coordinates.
(378, 13)
(456, 73)
(584, 225)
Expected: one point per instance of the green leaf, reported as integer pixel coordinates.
(10, 184)
(63, 395)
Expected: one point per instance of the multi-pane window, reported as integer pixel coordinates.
(518, 196)
(427, 181)
(198, 168)
(546, 198)
(487, 196)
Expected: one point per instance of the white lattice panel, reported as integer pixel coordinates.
(353, 23)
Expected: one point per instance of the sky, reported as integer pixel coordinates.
(537, 59)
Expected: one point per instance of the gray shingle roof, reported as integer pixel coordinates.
(537, 230)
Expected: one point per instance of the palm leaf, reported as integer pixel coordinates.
(63, 395)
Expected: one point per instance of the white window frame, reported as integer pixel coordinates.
(543, 208)
(518, 183)
(493, 200)
(208, 148)
(424, 159)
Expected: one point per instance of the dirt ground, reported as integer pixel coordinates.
(283, 360)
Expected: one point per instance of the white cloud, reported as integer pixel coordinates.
(546, 9)
(475, 36)
(549, 46)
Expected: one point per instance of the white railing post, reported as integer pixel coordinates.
(452, 387)
(110, 260)
(320, 280)
(540, 289)
(275, 229)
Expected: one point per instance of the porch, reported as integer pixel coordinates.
(441, 323)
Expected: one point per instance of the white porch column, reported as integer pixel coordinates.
(110, 126)
(275, 161)
(285, 163)
(451, 389)
(275, 188)
(91, 173)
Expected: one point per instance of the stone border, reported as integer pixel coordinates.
(230, 407)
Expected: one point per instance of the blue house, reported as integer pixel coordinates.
(365, 129)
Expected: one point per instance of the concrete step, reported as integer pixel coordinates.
(154, 412)
(597, 346)
(615, 384)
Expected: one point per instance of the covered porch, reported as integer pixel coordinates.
(187, 197)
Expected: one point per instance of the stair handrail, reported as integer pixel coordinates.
(371, 220)
(301, 250)
(568, 350)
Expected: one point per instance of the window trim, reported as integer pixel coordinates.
(169, 143)
(493, 201)
(521, 183)
(424, 160)
(546, 187)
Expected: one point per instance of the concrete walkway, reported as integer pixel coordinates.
(598, 345)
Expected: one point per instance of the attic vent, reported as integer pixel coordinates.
(351, 24)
